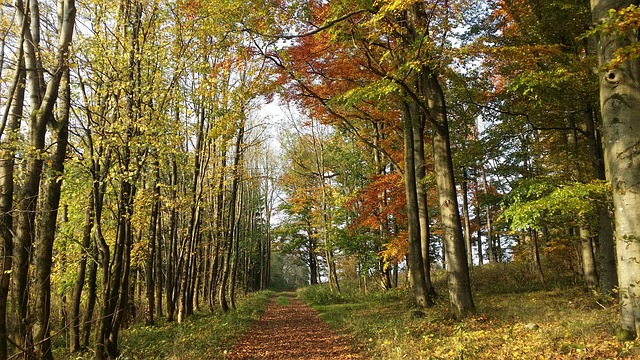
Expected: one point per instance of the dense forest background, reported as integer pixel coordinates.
(141, 178)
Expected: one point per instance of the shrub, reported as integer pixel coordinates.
(321, 295)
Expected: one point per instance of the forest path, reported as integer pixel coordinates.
(291, 330)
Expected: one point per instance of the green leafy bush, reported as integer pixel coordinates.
(321, 295)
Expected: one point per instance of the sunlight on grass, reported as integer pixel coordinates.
(536, 323)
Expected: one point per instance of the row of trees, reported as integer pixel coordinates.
(527, 114)
(136, 180)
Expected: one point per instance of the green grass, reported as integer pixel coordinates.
(572, 323)
(282, 300)
(204, 335)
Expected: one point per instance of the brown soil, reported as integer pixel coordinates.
(291, 331)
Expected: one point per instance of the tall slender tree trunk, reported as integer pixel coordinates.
(465, 219)
(8, 146)
(589, 272)
(535, 265)
(172, 248)
(313, 259)
(27, 198)
(479, 224)
(235, 257)
(230, 233)
(620, 108)
(80, 278)
(421, 194)
(47, 227)
(414, 257)
(152, 252)
(491, 247)
(159, 259)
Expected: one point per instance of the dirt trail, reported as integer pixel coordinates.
(291, 331)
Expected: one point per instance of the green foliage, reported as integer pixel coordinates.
(377, 91)
(321, 295)
(282, 300)
(621, 23)
(537, 202)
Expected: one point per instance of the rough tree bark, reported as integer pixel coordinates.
(620, 108)
(458, 268)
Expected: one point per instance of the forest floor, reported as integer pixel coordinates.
(290, 329)
(517, 318)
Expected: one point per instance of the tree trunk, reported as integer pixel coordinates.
(230, 233)
(158, 259)
(620, 108)
(91, 294)
(235, 258)
(457, 266)
(606, 250)
(491, 248)
(80, 277)
(589, 272)
(8, 146)
(421, 193)
(150, 275)
(465, 219)
(47, 229)
(313, 260)
(172, 248)
(535, 266)
(414, 257)
(479, 223)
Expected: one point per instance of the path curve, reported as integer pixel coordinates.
(291, 331)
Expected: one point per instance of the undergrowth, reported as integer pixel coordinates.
(514, 320)
(204, 335)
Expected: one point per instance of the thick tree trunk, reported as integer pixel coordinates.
(457, 266)
(620, 108)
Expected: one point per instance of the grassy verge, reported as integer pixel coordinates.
(556, 322)
(204, 335)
